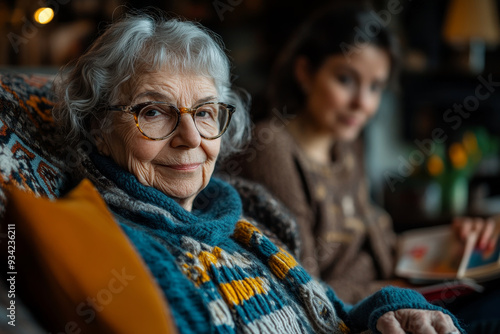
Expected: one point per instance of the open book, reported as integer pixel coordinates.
(437, 254)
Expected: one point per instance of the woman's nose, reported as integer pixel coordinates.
(186, 134)
(363, 100)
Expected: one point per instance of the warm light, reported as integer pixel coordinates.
(470, 142)
(44, 15)
(435, 165)
(473, 24)
(467, 20)
(458, 155)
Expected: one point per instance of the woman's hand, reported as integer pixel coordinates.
(416, 322)
(487, 230)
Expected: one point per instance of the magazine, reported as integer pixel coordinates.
(436, 253)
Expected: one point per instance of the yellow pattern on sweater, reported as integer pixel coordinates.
(280, 263)
(235, 292)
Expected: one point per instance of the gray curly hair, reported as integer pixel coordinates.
(141, 43)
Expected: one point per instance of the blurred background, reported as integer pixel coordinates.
(433, 149)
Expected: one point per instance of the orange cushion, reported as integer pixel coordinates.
(76, 269)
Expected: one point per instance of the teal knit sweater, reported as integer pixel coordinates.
(220, 274)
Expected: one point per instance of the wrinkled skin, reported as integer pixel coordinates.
(179, 166)
(416, 322)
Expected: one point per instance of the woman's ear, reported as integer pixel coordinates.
(100, 143)
(303, 73)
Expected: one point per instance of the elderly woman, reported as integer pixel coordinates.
(153, 98)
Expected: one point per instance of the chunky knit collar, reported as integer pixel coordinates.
(215, 210)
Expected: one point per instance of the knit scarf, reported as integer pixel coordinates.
(210, 222)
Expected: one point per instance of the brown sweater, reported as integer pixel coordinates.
(345, 240)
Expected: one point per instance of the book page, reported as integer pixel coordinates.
(470, 245)
(430, 253)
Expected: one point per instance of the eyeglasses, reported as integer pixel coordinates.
(158, 120)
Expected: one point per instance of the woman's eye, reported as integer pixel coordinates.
(201, 113)
(377, 87)
(345, 79)
(157, 113)
(205, 113)
(152, 113)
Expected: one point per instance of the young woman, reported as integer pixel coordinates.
(330, 77)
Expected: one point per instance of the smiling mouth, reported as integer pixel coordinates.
(350, 121)
(184, 167)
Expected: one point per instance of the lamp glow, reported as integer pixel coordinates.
(474, 24)
(44, 15)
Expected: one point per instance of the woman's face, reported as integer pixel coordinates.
(344, 93)
(179, 166)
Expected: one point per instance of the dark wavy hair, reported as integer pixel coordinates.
(337, 29)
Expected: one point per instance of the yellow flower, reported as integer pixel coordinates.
(470, 142)
(435, 165)
(458, 155)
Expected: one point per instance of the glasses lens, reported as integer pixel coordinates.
(157, 120)
(211, 119)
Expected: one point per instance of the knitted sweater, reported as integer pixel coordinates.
(221, 274)
(345, 240)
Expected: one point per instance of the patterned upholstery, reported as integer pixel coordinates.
(30, 152)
